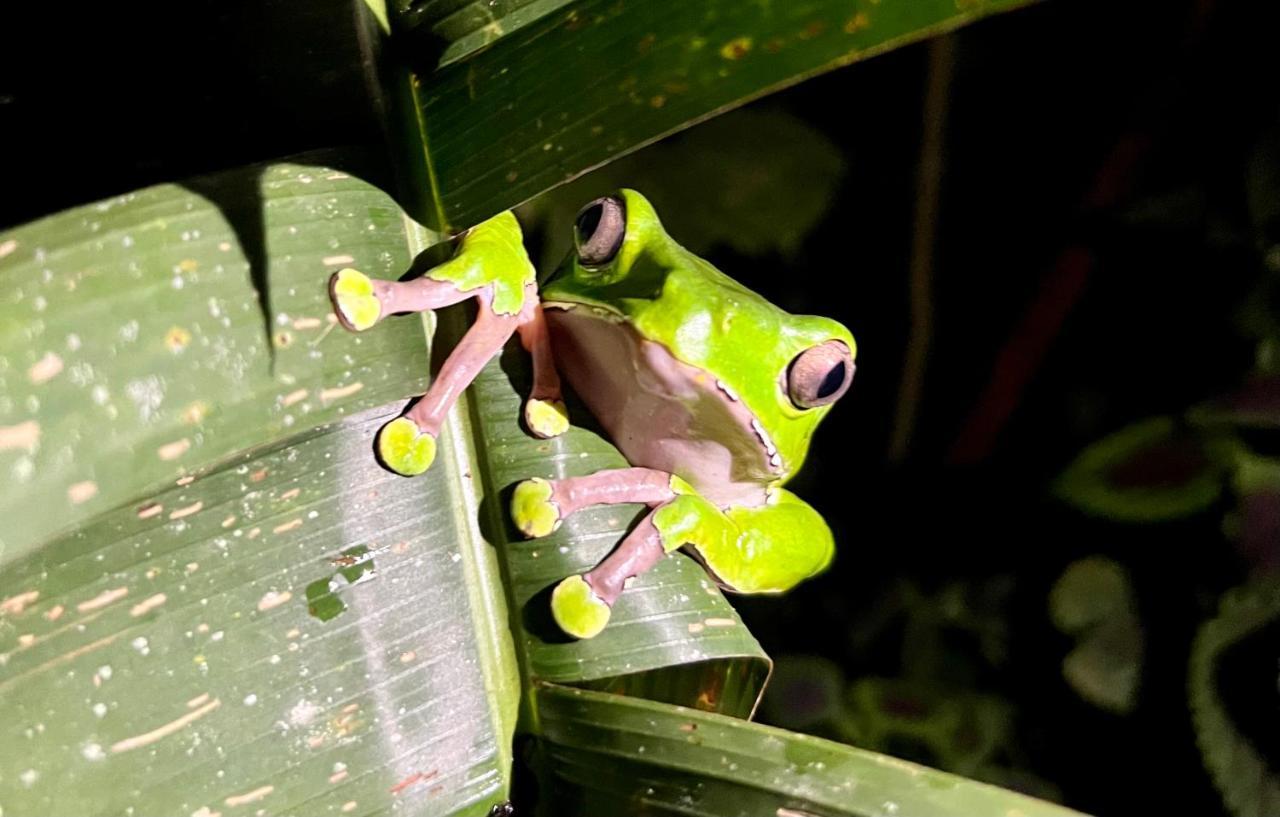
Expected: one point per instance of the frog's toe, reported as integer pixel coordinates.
(546, 418)
(404, 448)
(354, 302)
(577, 608)
(532, 509)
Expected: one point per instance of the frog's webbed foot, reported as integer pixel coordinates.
(354, 303)
(405, 448)
(538, 506)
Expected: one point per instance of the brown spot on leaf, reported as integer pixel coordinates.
(338, 392)
(272, 599)
(249, 796)
(857, 23)
(173, 450)
(102, 599)
(14, 605)
(149, 510)
(45, 369)
(288, 526)
(180, 513)
(736, 48)
(147, 605)
(177, 339)
(23, 435)
(82, 491)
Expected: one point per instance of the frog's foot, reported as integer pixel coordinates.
(355, 303)
(405, 448)
(533, 510)
(577, 609)
(546, 418)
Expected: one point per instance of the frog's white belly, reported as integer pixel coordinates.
(660, 412)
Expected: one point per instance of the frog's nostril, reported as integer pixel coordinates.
(820, 375)
(599, 230)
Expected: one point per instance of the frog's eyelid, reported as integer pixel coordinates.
(820, 375)
(598, 231)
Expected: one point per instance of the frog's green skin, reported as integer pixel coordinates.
(694, 377)
(707, 320)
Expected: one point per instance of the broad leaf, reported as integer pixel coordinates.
(291, 628)
(163, 658)
(523, 103)
(606, 754)
(146, 337)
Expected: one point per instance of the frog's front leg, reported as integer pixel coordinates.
(407, 444)
(544, 412)
(491, 266)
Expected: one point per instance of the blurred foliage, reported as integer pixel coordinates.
(1093, 601)
(1168, 468)
(761, 177)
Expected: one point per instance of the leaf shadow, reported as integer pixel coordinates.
(238, 195)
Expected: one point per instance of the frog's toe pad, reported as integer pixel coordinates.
(404, 448)
(577, 609)
(532, 509)
(354, 302)
(546, 418)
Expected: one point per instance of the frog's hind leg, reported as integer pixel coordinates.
(538, 506)
(359, 301)
(582, 605)
(407, 444)
(544, 412)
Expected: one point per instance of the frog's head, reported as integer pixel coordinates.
(786, 370)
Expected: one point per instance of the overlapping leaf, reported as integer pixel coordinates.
(609, 755)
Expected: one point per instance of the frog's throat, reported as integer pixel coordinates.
(663, 413)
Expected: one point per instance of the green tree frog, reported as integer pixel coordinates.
(710, 392)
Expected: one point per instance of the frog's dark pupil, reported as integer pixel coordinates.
(588, 221)
(832, 382)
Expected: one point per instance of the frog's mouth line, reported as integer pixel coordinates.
(737, 476)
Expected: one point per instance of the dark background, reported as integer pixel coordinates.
(1123, 129)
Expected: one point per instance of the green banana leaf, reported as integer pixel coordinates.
(607, 754)
(506, 108)
(214, 601)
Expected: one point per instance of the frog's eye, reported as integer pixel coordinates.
(598, 231)
(819, 375)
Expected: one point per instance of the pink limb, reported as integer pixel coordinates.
(418, 295)
(536, 340)
(613, 487)
(639, 551)
(478, 346)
